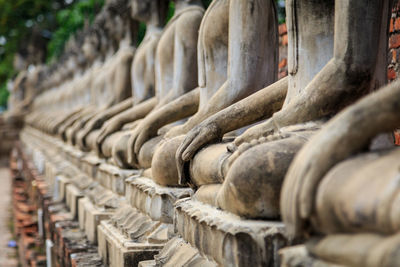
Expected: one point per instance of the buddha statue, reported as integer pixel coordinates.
(79, 94)
(174, 68)
(106, 86)
(342, 188)
(116, 73)
(332, 70)
(142, 80)
(234, 62)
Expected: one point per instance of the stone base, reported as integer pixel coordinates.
(73, 194)
(90, 217)
(117, 250)
(227, 239)
(152, 199)
(177, 252)
(298, 256)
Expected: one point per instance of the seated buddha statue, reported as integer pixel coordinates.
(233, 62)
(328, 70)
(114, 79)
(142, 80)
(175, 63)
(342, 187)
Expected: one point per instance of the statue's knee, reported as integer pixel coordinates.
(253, 183)
(206, 166)
(109, 142)
(163, 165)
(147, 151)
(91, 138)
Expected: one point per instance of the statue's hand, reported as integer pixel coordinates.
(201, 135)
(94, 124)
(142, 133)
(256, 132)
(111, 126)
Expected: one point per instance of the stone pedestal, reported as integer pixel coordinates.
(117, 250)
(226, 239)
(140, 228)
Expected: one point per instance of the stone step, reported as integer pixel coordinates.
(227, 239)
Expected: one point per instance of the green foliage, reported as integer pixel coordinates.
(70, 20)
(3, 95)
(18, 20)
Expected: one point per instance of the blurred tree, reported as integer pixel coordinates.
(26, 26)
(35, 31)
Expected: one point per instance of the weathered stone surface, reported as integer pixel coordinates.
(117, 250)
(152, 199)
(226, 238)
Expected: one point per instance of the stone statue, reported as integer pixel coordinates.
(331, 71)
(111, 83)
(348, 190)
(175, 67)
(153, 14)
(116, 71)
(233, 62)
(79, 94)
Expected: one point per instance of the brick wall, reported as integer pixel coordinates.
(394, 43)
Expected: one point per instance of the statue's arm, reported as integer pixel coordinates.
(256, 107)
(246, 55)
(180, 108)
(130, 115)
(348, 74)
(345, 135)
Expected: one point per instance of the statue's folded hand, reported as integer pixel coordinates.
(110, 127)
(254, 133)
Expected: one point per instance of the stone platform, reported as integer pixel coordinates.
(132, 221)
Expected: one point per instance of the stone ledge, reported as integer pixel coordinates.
(177, 252)
(117, 250)
(113, 177)
(228, 239)
(152, 199)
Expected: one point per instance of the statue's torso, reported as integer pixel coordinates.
(213, 49)
(143, 77)
(310, 34)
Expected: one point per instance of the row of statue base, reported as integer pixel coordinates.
(142, 221)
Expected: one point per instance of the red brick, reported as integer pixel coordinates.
(397, 137)
(283, 63)
(391, 28)
(394, 41)
(391, 74)
(282, 29)
(285, 40)
(397, 24)
(394, 56)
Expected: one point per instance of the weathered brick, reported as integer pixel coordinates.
(391, 74)
(283, 63)
(397, 24)
(391, 25)
(285, 40)
(394, 41)
(282, 29)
